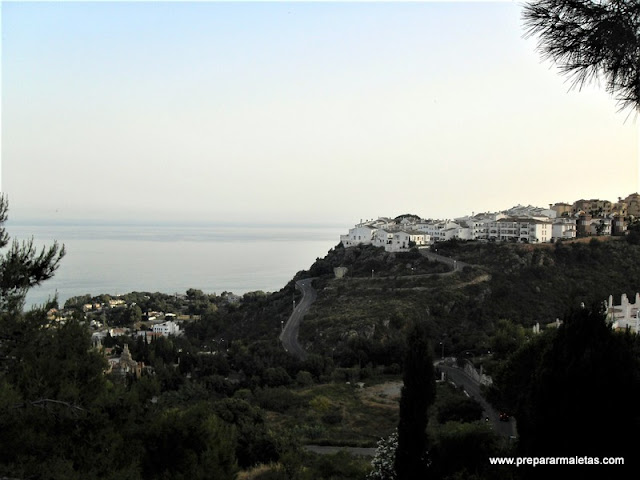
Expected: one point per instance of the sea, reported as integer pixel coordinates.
(117, 259)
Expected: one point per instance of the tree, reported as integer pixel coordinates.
(507, 338)
(22, 267)
(255, 442)
(591, 40)
(53, 394)
(192, 443)
(418, 392)
(575, 381)
(460, 450)
(633, 236)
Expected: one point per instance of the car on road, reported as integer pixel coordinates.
(504, 417)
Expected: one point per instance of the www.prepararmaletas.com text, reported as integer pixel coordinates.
(576, 460)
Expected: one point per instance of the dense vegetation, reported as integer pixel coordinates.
(226, 399)
(362, 320)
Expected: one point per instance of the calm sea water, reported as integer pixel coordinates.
(116, 259)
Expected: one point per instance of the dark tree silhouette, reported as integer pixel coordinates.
(22, 267)
(417, 394)
(566, 389)
(591, 40)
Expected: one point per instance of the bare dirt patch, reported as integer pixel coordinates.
(382, 395)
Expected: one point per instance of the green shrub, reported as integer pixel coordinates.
(279, 399)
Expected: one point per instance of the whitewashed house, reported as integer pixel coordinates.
(540, 231)
(530, 211)
(563, 228)
(399, 241)
(382, 238)
(359, 235)
(420, 239)
(528, 230)
(167, 328)
(439, 231)
(625, 315)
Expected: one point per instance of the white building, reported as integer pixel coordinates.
(564, 228)
(167, 328)
(531, 225)
(382, 238)
(439, 231)
(625, 315)
(361, 234)
(399, 242)
(530, 211)
(600, 226)
(419, 238)
(528, 230)
(476, 227)
(540, 231)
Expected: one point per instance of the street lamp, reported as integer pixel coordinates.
(442, 345)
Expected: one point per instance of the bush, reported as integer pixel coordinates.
(278, 399)
(320, 404)
(461, 410)
(383, 467)
(333, 418)
(304, 378)
(276, 377)
(338, 466)
(393, 369)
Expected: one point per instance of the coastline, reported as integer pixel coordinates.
(118, 260)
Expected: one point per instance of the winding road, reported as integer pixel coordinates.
(472, 389)
(289, 335)
(456, 265)
(289, 340)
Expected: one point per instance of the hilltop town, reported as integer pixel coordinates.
(561, 221)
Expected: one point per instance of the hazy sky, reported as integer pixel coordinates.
(294, 112)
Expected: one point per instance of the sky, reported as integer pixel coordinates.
(294, 112)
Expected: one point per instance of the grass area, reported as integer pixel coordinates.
(376, 311)
(344, 414)
(310, 466)
(337, 414)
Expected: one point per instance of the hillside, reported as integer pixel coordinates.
(360, 318)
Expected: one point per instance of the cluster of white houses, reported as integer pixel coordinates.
(518, 224)
(626, 315)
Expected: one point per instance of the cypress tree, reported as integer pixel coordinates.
(418, 392)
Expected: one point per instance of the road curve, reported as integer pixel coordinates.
(289, 334)
(456, 265)
(472, 388)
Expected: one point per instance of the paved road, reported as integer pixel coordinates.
(456, 265)
(289, 335)
(460, 378)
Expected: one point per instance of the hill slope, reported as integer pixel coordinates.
(360, 319)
